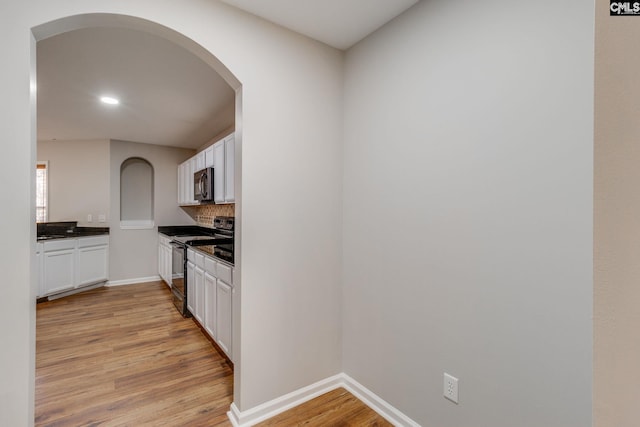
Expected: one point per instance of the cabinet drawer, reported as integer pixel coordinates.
(85, 242)
(210, 266)
(58, 245)
(191, 255)
(223, 272)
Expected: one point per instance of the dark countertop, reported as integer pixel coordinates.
(184, 230)
(194, 230)
(67, 230)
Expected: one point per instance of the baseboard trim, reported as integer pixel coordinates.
(133, 281)
(375, 402)
(283, 403)
(276, 406)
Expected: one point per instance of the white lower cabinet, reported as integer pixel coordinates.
(93, 261)
(210, 304)
(59, 268)
(67, 264)
(191, 276)
(223, 316)
(40, 264)
(164, 259)
(199, 296)
(210, 297)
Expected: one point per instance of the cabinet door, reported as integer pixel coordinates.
(223, 316)
(93, 265)
(218, 172)
(186, 168)
(200, 161)
(199, 295)
(192, 197)
(168, 264)
(229, 169)
(208, 157)
(40, 264)
(59, 267)
(191, 276)
(161, 267)
(210, 304)
(164, 263)
(180, 177)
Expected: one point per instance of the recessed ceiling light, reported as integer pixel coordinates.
(109, 100)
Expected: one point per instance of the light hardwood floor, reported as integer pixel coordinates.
(123, 356)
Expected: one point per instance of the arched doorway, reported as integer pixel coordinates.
(76, 22)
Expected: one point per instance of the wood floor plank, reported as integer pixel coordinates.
(123, 356)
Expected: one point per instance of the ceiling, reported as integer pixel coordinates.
(338, 23)
(168, 96)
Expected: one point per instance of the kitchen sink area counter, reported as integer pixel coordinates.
(70, 258)
(66, 230)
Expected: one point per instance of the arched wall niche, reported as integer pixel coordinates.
(137, 193)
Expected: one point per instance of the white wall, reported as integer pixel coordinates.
(133, 254)
(291, 156)
(17, 201)
(78, 175)
(616, 378)
(468, 139)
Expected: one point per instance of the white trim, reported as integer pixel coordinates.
(76, 290)
(375, 402)
(137, 224)
(276, 406)
(133, 281)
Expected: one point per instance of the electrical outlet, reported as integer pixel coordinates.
(89, 218)
(450, 388)
(102, 218)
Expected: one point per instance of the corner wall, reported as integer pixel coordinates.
(133, 254)
(78, 176)
(476, 118)
(291, 155)
(617, 221)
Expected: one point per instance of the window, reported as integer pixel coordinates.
(42, 192)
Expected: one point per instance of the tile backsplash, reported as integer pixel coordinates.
(203, 215)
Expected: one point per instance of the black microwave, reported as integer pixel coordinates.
(203, 185)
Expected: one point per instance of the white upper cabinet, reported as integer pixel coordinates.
(200, 161)
(185, 182)
(229, 168)
(220, 156)
(224, 169)
(218, 171)
(193, 169)
(208, 157)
